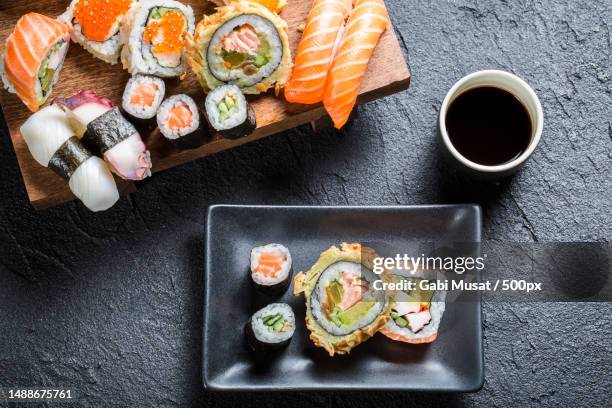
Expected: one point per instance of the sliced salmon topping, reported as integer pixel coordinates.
(243, 40)
(352, 290)
(368, 21)
(316, 50)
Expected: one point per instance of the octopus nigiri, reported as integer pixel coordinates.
(102, 127)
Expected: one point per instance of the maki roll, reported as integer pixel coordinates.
(156, 32)
(342, 307)
(178, 119)
(416, 314)
(271, 268)
(33, 58)
(242, 43)
(270, 328)
(229, 113)
(103, 128)
(96, 26)
(53, 144)
(142, 96)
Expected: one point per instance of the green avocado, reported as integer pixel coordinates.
(420, 295)
(351, 315)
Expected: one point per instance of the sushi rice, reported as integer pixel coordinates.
(144, 19)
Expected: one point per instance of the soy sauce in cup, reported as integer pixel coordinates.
(489, 125)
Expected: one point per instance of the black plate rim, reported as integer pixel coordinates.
(211, 385)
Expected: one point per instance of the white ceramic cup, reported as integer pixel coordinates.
(517, 87)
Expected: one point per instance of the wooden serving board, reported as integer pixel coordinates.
(387, 74)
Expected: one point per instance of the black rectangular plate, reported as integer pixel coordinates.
(454, 362)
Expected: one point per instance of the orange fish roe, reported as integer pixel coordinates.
(97, 17)
(144, 94)
(180, 117)
(170, 28)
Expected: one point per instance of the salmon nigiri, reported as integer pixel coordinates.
(34, 57)
(366, 24)
(316, 50)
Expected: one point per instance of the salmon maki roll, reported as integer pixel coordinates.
(33, 58)
(178, 119)
(315, 52)
(142, 96)
(368, 21)
(271, 268)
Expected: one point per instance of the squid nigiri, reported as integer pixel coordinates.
(33, 59)
(366, 24)
(315, 52)
(53, 144)
(102, 126)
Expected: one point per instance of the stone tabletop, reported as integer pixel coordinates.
(110, 303)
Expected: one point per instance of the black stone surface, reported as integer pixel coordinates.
(110, 303)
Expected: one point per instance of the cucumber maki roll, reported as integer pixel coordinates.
(343, 309)
(178, 119)
(270, 328)
(229, 112)
(271, 268)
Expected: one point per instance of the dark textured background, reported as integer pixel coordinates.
(111, 303)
